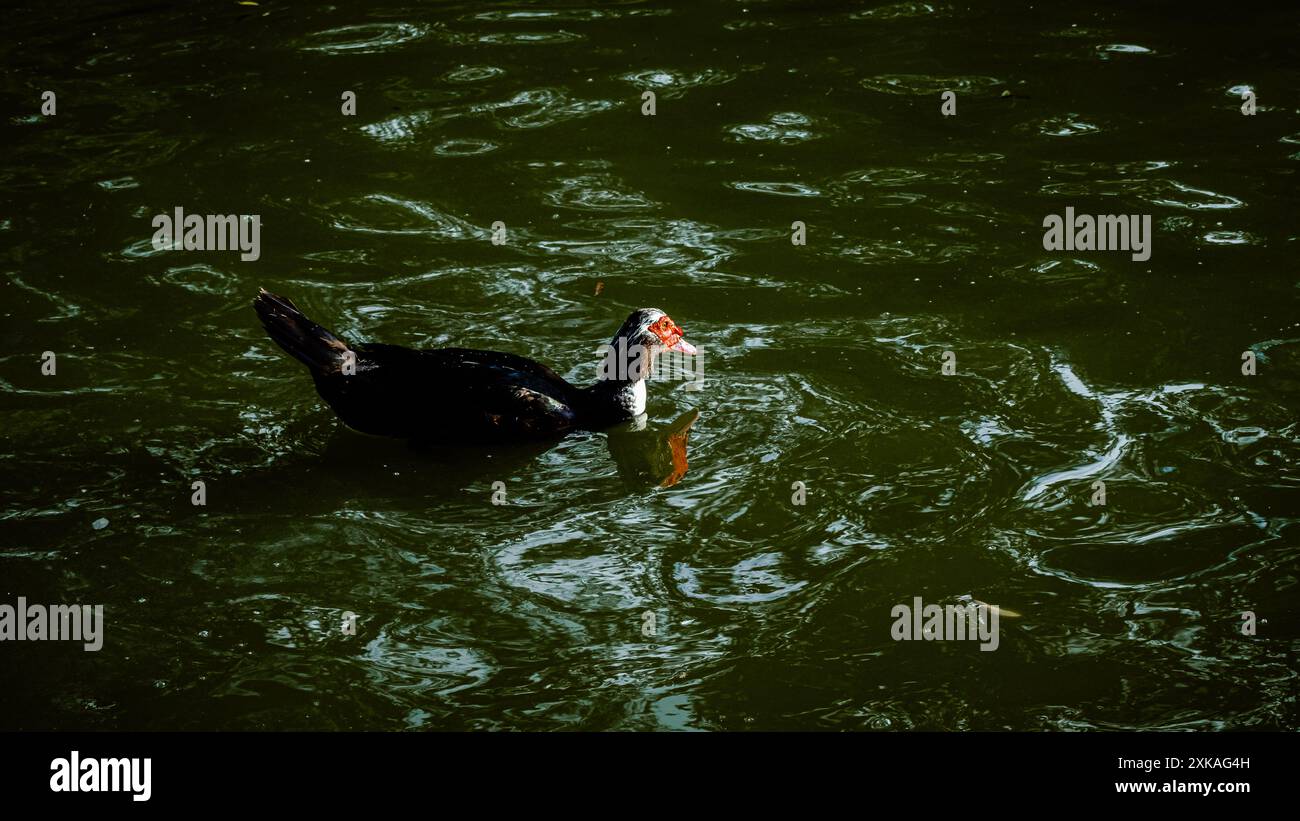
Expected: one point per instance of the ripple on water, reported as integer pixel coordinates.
(677, 245)
(530, 38)
(200, 279)
(399, 129)
(143, 249)
(1169, 193)
(930, 84)
(541, 107)
(472, 74)
(786, 128)
(408, 656)
(966, 157)
(534, 108)
(554, 564)
(918, 250)
(66, 308)
(1147, 557)
(1161, 523)
(597, 193)
(464, 147)
(752, 580)
(887, 177)
(1066, 125)
(366, 38)
(1077, 32)
(1230, 238)
(573, 15)
(1071, 270)
(387, 214)
(780, 189)
(902, 11)
(672, 83)
(1096, 170)
(1177, 195)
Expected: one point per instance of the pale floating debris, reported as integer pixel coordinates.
(100, 523)
(119, 183)
(1125, 48)
(1244, 436)
(1183, 388)
(1001, 611)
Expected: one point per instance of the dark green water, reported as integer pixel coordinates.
(822, 363)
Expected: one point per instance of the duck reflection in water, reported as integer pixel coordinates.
(651, 455)
(644, 455)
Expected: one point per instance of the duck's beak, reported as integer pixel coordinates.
(681, 345)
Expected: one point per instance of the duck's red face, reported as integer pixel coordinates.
(670, 334)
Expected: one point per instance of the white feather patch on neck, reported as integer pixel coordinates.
(638, 397)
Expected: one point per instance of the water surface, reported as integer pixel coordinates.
(823, 364)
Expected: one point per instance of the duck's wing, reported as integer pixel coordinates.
(449, 394)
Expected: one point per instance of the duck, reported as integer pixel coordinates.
(470, 396)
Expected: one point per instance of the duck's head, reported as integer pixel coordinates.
(652, 328)
(647, 333)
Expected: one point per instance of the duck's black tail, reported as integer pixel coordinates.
(310, 344)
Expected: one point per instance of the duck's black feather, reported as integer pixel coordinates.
(443, 394)
(449, 393)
